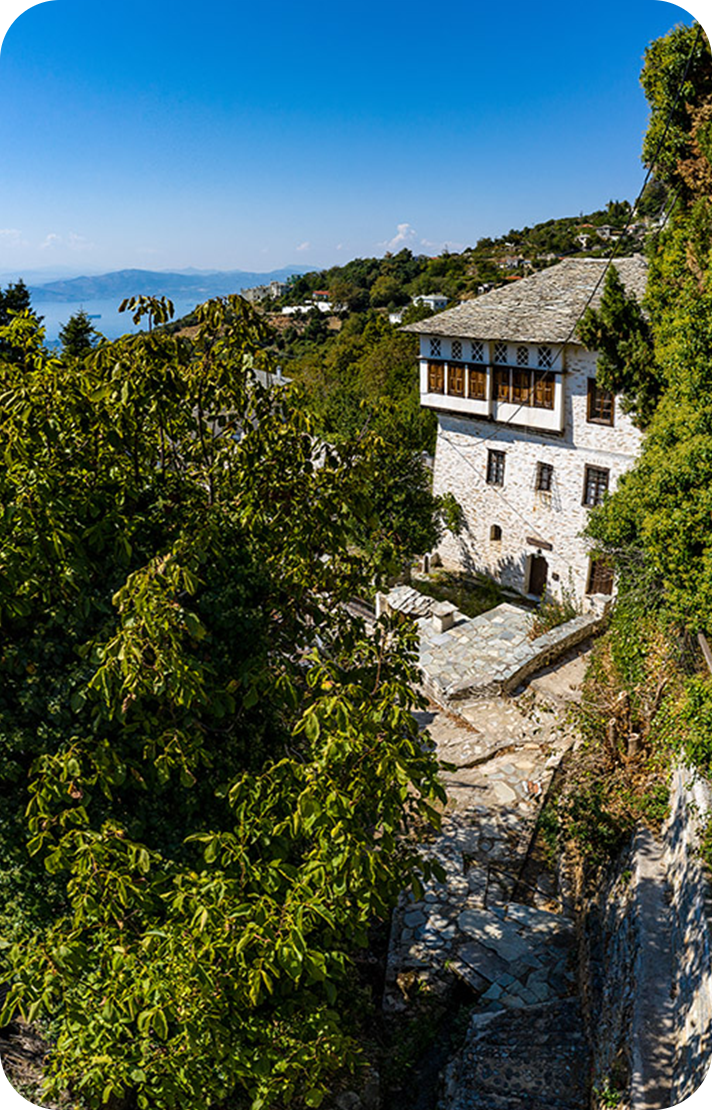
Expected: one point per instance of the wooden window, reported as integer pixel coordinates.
(521, 387)
(544, 477)
(545, 357)
(456, 349)
(456, 379)
(600, 404)
(436, 377)
(495, 468)
(500, 352)
(595, 485)
(476, 384)
(600, 577)
(502, 387)
(495, 533)
(478, 350)
(522, 356)
(543, 390)
(435, 348)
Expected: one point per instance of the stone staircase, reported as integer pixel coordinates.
(535, 1058)
(525, 1047)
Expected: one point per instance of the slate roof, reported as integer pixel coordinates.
(543, 308)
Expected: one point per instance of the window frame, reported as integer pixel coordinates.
(476, 383)
(496, 461)
(436, 371)
(596, 401)
(600, 568)
(456, 379)
(502, 375)
(598, 494)
(544, 477)
(543, 385)
(521, 386)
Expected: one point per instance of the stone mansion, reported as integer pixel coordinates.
(527, 442)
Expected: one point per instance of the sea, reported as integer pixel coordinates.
(106, 318)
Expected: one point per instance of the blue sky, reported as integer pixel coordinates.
(229, 135)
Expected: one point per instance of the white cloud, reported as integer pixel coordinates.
(304, 246)
(11, 234)
(405, 236)
(73, 241)
(339, 246)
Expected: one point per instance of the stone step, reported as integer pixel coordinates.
(536, 1058)
(551, 1023)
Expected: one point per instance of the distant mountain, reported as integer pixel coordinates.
(127, 283)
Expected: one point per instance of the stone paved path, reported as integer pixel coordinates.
(490, 654)
(535, 1059)
(514, 956)
(502, 763)
(479, 651)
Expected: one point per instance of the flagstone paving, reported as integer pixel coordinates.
(510, 954)
(514, 946)
(518, 959)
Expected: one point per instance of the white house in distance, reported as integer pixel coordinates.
(527, 442)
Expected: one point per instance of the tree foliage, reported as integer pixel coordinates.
(217, 766)
(659, 516)
(78, 336)
(620, 334)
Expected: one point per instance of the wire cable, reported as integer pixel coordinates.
(616, 246)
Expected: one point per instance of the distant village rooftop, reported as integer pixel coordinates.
(543, 308)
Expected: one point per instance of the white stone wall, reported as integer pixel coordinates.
(517, 507)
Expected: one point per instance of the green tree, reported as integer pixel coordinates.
(218, 767)
(15, 305)
(78, 336)
(619, 331)
(387, 290)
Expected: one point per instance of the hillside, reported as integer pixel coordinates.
(392, 281)
(125, 283)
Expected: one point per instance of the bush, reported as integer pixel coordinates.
(554, 611)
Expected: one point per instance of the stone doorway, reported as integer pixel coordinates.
(538, 569)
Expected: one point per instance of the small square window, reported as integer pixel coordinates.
(456, 349)
(496, 534)
(544, 477)
(595, 485)
(522, 356)
(435, 348)
(545, 357)
(500, 352)
(478, 351)
(495, 468)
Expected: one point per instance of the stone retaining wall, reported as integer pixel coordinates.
(646, 961)
(691, 805)
(545, 649)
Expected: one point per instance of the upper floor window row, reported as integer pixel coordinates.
(520, 354)
(474, 350)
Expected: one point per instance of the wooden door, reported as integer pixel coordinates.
(537, 575)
